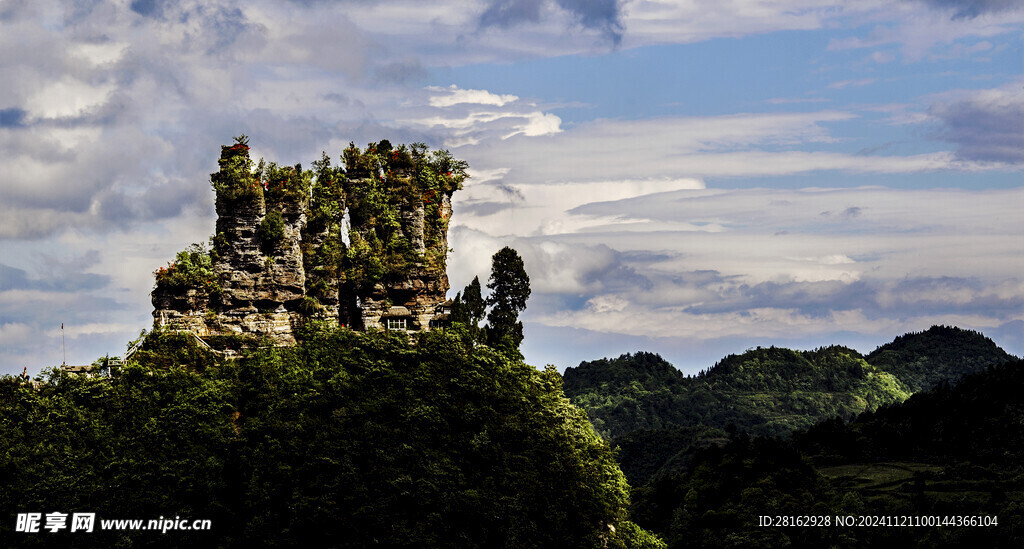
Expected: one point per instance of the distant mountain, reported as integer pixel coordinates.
(952, 453)
(922, 360)
(659, 417)
(772, 390)
(980, 420)
(765, 391)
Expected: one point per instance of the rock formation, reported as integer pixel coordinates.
(364, 246)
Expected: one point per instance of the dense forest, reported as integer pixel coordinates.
(448, 439)
(772, 390)
(952, 452)
(778, 432)
(765, 391)
(348, 440)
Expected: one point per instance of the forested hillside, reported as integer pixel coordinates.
(772, 391)
(821, 433)
(658, 417)
(764, 391)
(924, 359)
(953, 452)
(348, 440)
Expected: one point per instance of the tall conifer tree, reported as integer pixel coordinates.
(510, 288)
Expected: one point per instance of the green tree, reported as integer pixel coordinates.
(235, 179)
(192, 269)
(469, 308)
(510, 288)
(347, 440)
(271, 232)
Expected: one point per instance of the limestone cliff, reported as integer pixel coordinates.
(364, 246)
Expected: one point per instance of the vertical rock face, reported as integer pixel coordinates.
(279, 258)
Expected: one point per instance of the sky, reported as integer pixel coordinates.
(691, 178)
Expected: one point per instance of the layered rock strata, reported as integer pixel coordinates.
(363, 247)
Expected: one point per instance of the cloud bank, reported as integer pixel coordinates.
(806, 215)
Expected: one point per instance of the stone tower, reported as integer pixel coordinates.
(364, 246)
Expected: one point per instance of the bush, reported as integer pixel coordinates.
(191, 269)
(271, 232)
(235, 180)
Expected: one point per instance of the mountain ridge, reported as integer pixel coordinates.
(639, 401)
(948, 457)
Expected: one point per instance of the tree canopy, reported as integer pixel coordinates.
(510, 288)
(348, 440)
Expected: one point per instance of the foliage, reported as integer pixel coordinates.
(382, 182)
(140, 444)
(469, 308)
(235, 179)
(922, 360)
(646, 454)
(951, 451)
(771, 391)
(703, 482)
(510, 288)
(192, 268)
(349, 440)
(165, 349)
(327, 201)
(271, 232)
(285, 186)
(628, 535)
(767, 391)
(310, 306)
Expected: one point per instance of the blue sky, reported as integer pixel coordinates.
(686, 177)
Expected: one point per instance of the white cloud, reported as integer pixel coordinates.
(114, 119)
(920, 30)
(851, 83)
(67, 97)
(544, 209)
(743, 145)
(538, 123)
(467, 117)
(101, 53)
(456, 96)
(661, 21)
(785, 263)
(986, 125)
(13, 332)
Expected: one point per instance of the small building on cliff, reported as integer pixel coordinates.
(364, 246)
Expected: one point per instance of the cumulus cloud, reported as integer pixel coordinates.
(112, 113)
(468, 116)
